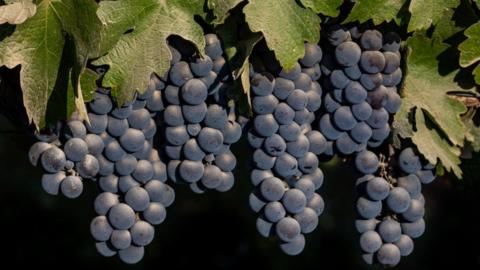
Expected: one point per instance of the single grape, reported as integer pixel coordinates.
(411, 183)
(142, 233)
(287, 229)
(371, 40)
(364, 225)
(101, 103)
(104, 249)
(71, 187)
(347, 53)
(109, 183)
(121, 239)
(180, 73)
(355, 93)
(388, 254)
(295, 246)
(368, 209)
(75, 129)
(415, 211)
(272, 189)
(274, 211)
(160, 192)
(405, 245)
(51, 182)
(370, 241)
(97, 123)
(53, 159)
(283, 88)
(389, 230)
(398, 200)
(289, 132)
(377, 189)
(343, 118)
(131, 254)
(121, 216)
(95, 144)
(408, 161)
(316, 203)
(100, 228)
(294, 201)
(88, 167)
(313, 55)
(194, 91)
(291, 74)
(216, 117)
(307, 219)
(155, 213)
(210, 139)
(338, 79)
(286, 165)
(265, 125)
(372, 61)
(191, 171)
(262, 84)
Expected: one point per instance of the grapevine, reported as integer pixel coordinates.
(128, 102)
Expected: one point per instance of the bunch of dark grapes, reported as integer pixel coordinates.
(390, 204)
(286, 174)
(113, 148)
(199, 124)
(361, 74)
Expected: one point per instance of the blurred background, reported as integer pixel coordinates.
(217, 231)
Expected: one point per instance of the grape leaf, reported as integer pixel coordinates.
(427, 12)
(16, 12)
(285, 26)
(237, 50)
(326, 7)
(221, 9)
(37, 46)
(470, 49)
(378, 10)
(92, 39)
(425, 92)
(433, 147)
(144, 50)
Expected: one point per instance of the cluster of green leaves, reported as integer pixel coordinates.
(54, 40)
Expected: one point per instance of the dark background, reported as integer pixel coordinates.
(217, 231)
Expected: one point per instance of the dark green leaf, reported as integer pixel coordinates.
(37, 46)
(144, 50)
(285, 26)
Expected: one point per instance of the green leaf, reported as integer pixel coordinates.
(477, 2)
(326, 7)
(221, 9)
(17, 12)
(144, 50)
(378, 10)
(92, 39)
(285, 26)
(470, 49)
(238, 50)
(427, 12)
(425, 93)
(474, 129)
(433, 147)
(37, 46)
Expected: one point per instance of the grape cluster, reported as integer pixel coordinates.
(114, 148)
(286, 174)
(362, 71)
(131, 177)
(199, 124)
(390, 206)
